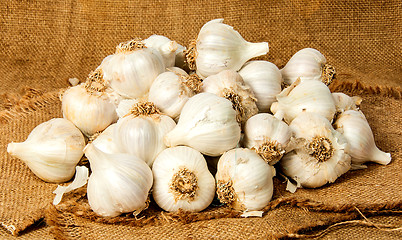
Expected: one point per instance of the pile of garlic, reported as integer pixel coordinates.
(155, 115)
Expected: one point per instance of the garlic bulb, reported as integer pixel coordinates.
(319, 156)
(208, 124)
(265, 80)
(219, 47)
(230, 85)
(141, 132)
(52, 150)
(171, 90)
(105, 140)
(354, 126)
(267, 135)
(164, 46)
(132, 69)
(308, 64)
(119, 183)
(343, 102)
(244, 180)
(182, 180)
(91, 106)
(307, 96)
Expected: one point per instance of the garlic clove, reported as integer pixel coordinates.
(343, 102)
(307, 96)
(230, 85)
(320, 153)
(219, 47)
(308, 64)
(165, 47)
(268, 136)
(132, 69)
(244, 180)
(362, 148)
(91, 106)
(182, 180)
(141, 132)
(119, 183)
(52, 150)
(208, 124)
(265, 81)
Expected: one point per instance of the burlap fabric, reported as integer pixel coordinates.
(44, 43)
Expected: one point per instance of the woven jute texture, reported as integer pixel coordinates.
(44, 43)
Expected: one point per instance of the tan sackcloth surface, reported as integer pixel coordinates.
(44, 43)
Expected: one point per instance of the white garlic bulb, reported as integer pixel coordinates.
(182, 180)
(132, 69)
(165, 46)
(208, 124)
(308, 64)
(119, 183)
(307, 96)
(171, 90)
(91, 106)
(267, 135)
(219, 47)
(319, 156)
(141, 132)
(52, 150)
(244, 180)
(230, 85)
(343, 102)
(354, 126)
(265, 80)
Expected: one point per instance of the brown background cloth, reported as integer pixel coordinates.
(44, 43)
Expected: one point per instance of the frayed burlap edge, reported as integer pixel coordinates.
(33, 100)
(362, 222)
(357, 88)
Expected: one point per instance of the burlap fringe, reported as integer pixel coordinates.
(31, 101)
(365, 222)
(357, 88)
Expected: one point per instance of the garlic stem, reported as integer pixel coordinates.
(380, 157)
(257, 49)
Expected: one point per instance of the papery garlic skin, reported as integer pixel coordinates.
(164, 46)
(169, 91)
(182, 180)
(244, 180)
(343, 102)
(131, 71)
(265, 80)
(208, 124)
(267, 135)
(307, 96)
(230, 85)
(354, 126)
(320, 153)
(52, 150)
(180, 59)
(90, 113)
(308, 64)
(119, 183)
(219, 47)
(142, 136)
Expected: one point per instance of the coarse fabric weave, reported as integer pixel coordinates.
(44, 43)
